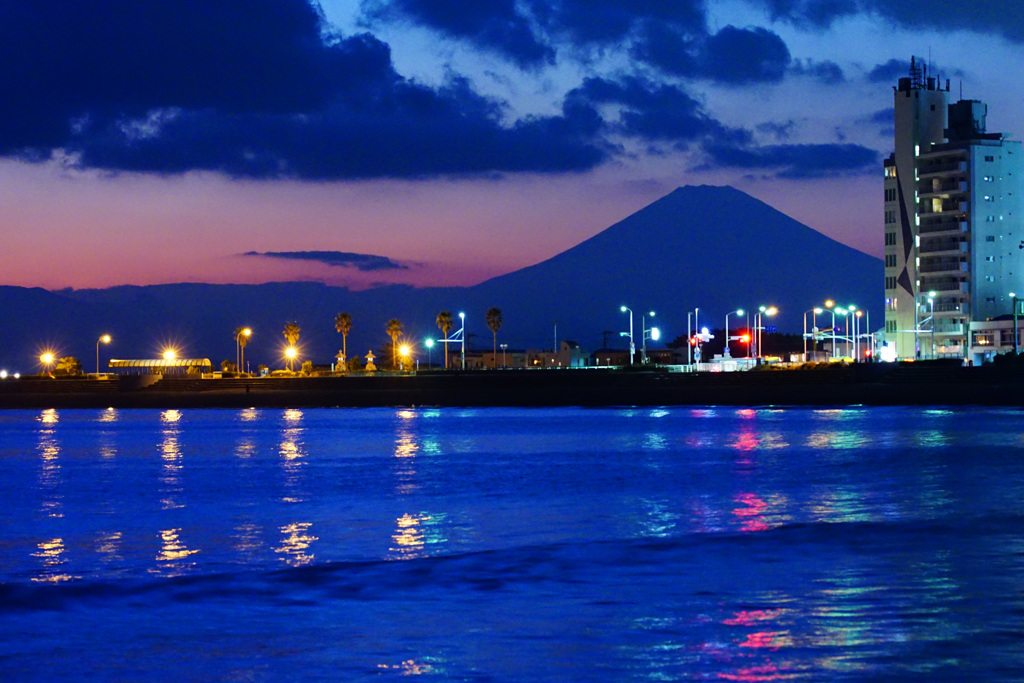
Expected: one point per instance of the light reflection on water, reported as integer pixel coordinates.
(749, 544)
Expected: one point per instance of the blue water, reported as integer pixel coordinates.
(512, 544)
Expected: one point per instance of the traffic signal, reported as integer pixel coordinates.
(693, 341)
(745, 338)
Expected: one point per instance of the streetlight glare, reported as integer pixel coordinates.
(247, 332)
(655, 333)
(46, 358)
(430, 343)
(404, 350)
(290, 352)
(739, 311)
(623, 309)
(170, 354)
(105, 339)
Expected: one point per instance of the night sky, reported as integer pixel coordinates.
(441, 142)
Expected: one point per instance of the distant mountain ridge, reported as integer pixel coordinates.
(707, 247)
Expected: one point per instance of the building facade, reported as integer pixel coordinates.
(954, 234)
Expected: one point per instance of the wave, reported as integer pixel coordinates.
(587, 562)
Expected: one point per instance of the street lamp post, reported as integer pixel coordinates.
(738, 311)
(632, 346)
(759, 327)
(462, 317)
(1014, 297)
(931, 314)
(646, 334)
(240, 348)
(503, 347)
(830, 305)
(106, 340)
(430, 347)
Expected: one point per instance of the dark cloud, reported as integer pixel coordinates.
(734, 56)
(603, 22)
(363, 262)
(1001, 17)
(798, 161)
(250, 88)
(745, 55)
(654, 111)
(827, 72)
(495, 25)
(818, 13)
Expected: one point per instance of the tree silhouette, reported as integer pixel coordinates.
(394, 330)
(291, 335)
(445, 322)
(493, 317)
(343, 324)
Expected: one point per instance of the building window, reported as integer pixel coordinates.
(890, 239)
(990, 299)
(989, 278)
(890, 260)
(990, 219)
(990, 158)
(890, 282)
(987, 179)
(990, 238)
(990, 259)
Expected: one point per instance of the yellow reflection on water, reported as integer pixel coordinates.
(108, 546)
(293, 454)
(170, 456)
(409, 667)
(406, 448)
(52, 554)
(248, 540)
(248, 415)
(49, 472)
(173, 553)
(108, 415)
(295, 543)
(408, 537)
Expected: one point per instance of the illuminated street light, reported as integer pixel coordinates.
(47, 359)
(240, 348)
(170, 354)
(503, 347)
(430, 347)
(403, 353)
(653, 334)
(759, 328)
(106, 340)
(290, 353)
(462, 317)
(738, 311)
(632, 346)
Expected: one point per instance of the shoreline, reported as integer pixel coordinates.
(866, 384)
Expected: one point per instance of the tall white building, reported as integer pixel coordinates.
(954, 221)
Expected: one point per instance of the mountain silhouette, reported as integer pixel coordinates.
(712, 248)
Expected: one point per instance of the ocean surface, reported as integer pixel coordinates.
(512, 544)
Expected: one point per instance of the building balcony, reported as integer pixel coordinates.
(940, 226)
(946, 170)
(945, 286)
(939, 207)
(939, 187)
(947, 247)
(942, 268)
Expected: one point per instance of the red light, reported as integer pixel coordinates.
(745, 339)
(693, 341)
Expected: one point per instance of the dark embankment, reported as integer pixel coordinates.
(881, 384)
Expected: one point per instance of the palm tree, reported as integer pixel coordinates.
(445, 322)
(242, 335)
(343, 324)
(394, 330)
(291, 335)
(493, 317)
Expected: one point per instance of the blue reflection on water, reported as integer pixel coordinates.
(508, 544)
